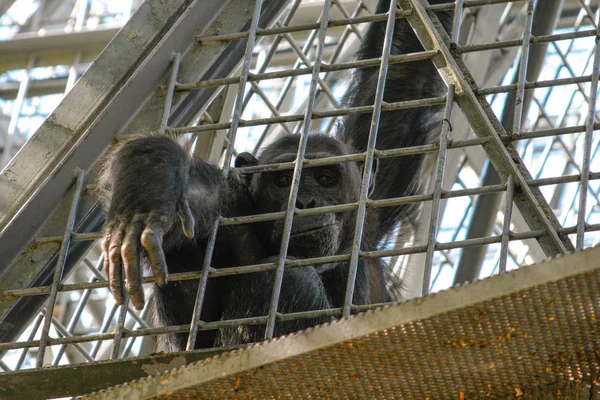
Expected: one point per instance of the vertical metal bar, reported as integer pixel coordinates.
(15, 113)
(286, 87)
(119, 330)
(437, 191)
(235, 122)
(366, 177)
(78, 311)
(143, 316)
(273, 47)
(72, 79)
(291, 206)
(510, 192)
(82, 11)
(458, 11)
(62, 255)
(103, 329)
(589, 133)
(34, 328)
(176, 58)
(520, 98)
(323, 86)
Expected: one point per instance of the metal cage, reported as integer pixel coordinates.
(520, 117)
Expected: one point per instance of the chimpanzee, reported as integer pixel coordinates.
(162, 204)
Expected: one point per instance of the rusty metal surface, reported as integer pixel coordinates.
(530, 333)
(50, 382)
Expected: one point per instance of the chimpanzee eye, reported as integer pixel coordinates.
(325, 179)
(284, 180)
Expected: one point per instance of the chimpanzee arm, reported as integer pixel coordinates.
(397, 176)
(158, 198)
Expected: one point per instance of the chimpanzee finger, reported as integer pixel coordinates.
(187, 218)
(115, 276)
(130, 255)
(152, 241)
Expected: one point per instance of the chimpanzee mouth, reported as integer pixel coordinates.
(312, 231)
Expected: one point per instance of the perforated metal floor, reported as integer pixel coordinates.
(530, 333)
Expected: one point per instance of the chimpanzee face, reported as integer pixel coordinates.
(312, 235)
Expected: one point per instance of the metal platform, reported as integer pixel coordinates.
(531, 333)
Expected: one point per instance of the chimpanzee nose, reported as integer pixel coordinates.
(305, 203)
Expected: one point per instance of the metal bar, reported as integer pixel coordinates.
(437, 191)
(176, 59)
(506, 233)
(102, 335)
(485, 124)
(256, 89)
(272, 50)
(466, 4)
(15, 113)
(62, 330)
(318, 115)
(555, 37)
(64, 248)
(34, 328)
(299, 28)
(237, 114)
(100, 278)
(143, 316)
(516, 126)
(458, 12)
(589, 132)
(535, 85)
(77, 312)
(398, 59)
(323, 86)
(368, 161)
(120, 329)
(295, 184)
(516, 104)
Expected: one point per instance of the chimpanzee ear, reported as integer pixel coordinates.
(245, 160)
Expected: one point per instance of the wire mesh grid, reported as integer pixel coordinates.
(522, 131)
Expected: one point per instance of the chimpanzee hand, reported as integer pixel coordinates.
(144, 184)
(127, 233)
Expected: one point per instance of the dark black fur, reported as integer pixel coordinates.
(155, 176)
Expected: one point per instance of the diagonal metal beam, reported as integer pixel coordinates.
(485, 124)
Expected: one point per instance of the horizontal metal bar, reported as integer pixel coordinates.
(467, 4)
(401, 105)
(372, 204)
(300, 28)
(535, 85)
(300, 263)
(534, 40)
(287, 73)
(550, 132)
